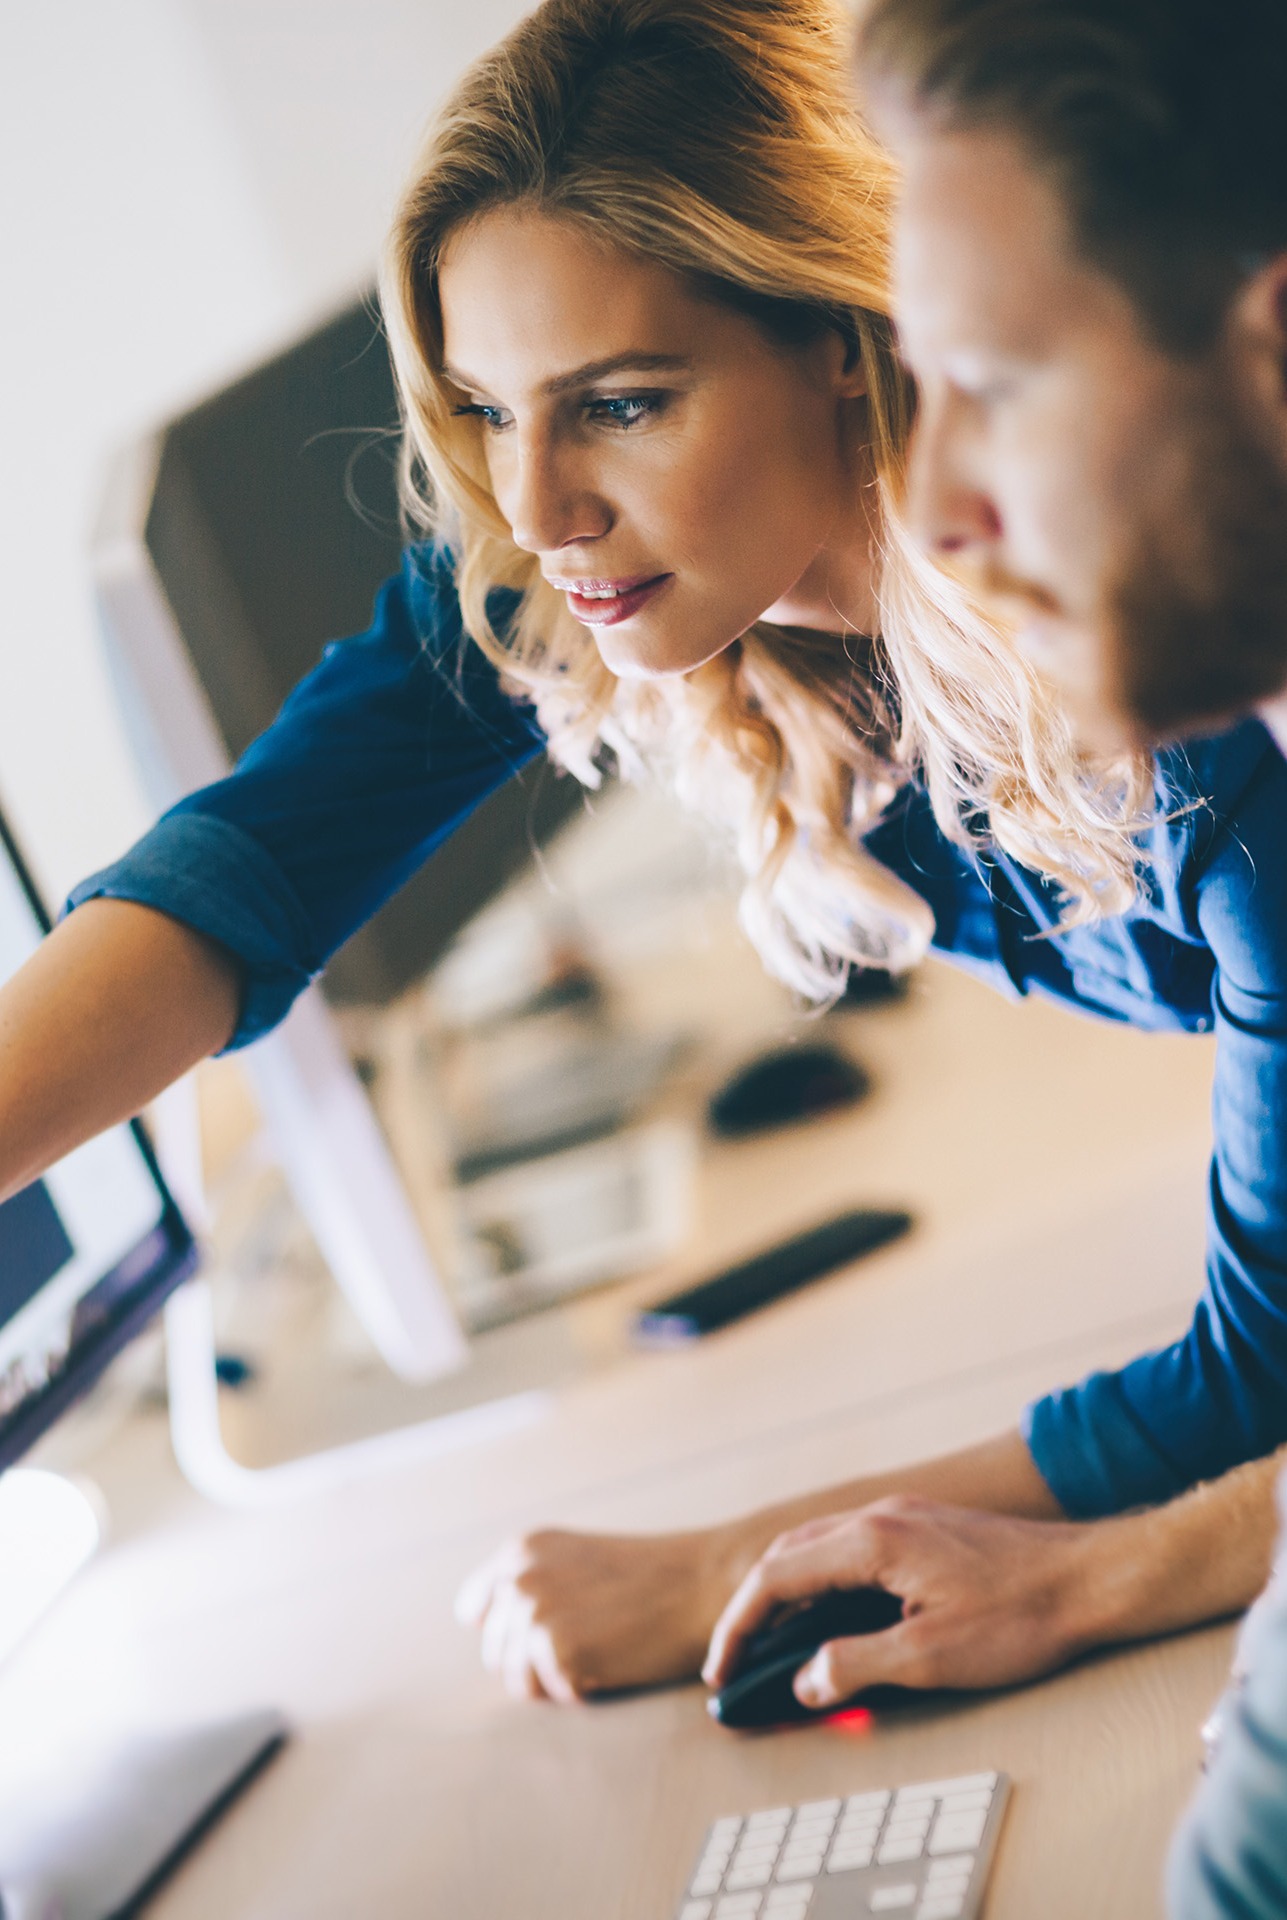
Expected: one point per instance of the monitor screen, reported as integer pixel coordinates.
(87, 1253)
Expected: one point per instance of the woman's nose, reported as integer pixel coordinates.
(548, 499)
(949, 510)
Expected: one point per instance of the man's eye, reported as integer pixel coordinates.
(493, 417)
(626, 409)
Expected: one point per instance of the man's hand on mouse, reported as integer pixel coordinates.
(988, 1600)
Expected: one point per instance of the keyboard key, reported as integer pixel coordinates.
(845, 1859)
(939, 1789)
(752, 1852)
(696, 1910)
(739, 1878)
(948, 1889)
(810, 1808)
(785, 1900)
(901, 1824)
(800, 1869)
(807, 1867)
(857, 1836)
(706, 1882)
(889, 1899)
(980, 1799)
(769, 1817)
(941, 1907)
(956, 1830)
(894, 1852)
(947, 1867)
(864, 1802)
(737, 1906)
(820, 1825)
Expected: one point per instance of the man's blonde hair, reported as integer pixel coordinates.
(717, 138)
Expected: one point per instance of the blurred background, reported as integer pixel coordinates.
(184, 184)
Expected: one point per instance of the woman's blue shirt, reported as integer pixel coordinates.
(396, 735)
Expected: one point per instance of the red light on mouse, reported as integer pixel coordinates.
(852, 1720)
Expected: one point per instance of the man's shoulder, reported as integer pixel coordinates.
(1216, 773)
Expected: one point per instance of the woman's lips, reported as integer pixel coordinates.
(603, 603)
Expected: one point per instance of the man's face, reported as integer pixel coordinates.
(1114, 500)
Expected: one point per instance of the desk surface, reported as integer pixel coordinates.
(417, 1788)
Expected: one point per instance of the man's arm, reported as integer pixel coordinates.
(116, 1004)
(568, 1614)
(990, 1600)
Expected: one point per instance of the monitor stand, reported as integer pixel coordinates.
(94, 1839)
(198, 1439)
(193, 1384)
(93, 1835)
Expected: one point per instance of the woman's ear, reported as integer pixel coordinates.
(846, 364)
(1259, 338)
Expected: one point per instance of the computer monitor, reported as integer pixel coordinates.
(234, 544)
(88, 1253)
(269, 519)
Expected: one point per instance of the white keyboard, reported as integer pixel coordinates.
(921, 1851)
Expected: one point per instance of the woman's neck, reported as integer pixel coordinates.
(836, 593)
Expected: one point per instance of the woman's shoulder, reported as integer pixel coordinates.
(429, 580)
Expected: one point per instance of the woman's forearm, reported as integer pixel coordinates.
(117, 1003)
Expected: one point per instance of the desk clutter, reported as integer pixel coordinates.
(923, 1850)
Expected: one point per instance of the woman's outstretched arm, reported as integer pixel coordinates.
(116, 1004)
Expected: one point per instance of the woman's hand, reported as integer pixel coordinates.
(988, 1600)
(564, 1615)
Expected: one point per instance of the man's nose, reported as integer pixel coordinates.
(950, 512)
(548, 499)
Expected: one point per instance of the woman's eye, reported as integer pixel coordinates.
(493, 417)
(625, 410)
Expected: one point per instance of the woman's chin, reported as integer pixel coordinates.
(652, 656)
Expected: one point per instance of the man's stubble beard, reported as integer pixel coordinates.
(1196, 627)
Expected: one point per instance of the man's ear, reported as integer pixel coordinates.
(1259, 338)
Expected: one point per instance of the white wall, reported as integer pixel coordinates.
(182, 183)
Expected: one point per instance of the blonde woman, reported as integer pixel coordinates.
(655, 433)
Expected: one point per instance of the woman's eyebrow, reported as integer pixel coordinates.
(631, 362)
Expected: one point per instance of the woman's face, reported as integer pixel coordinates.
(678, 474)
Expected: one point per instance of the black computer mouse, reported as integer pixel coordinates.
(759, 1694)
(790, 1083)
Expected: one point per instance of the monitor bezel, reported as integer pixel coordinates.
(176, 1261)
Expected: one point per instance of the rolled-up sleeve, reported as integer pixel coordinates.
(375, 758)
(1218, 1396)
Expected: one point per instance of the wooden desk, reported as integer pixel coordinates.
(416, 1788)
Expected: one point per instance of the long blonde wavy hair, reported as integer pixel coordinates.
(717, 137)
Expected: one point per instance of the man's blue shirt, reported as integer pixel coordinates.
(398, 734)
